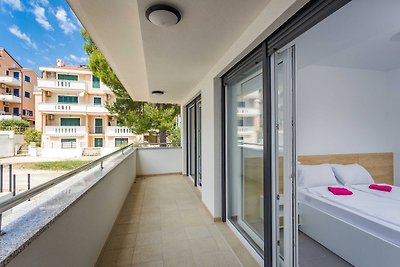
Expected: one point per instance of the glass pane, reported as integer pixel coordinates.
(245, 154)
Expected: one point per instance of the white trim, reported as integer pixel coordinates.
(65, 71)
(246, 244)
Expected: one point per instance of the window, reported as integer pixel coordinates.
(27, 95)
(68, 143)
(95, 82)
(7, 90)
(16, 92)
(7, 73)
(67, 99)
(68, 77)
(27, 79)
(121, 142)
(30, 112)
(24, 112)
(16, 75)
(70, 121)
(241, 104)
(6, 109)
(16, 111)
(97, 100)
(98, 142)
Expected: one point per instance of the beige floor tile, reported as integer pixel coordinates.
(148, 238)
(118, 257)
(128, 228)
(149, 227)
(203, 245)
(172, 236)
(182, 258)
(194, 232)
(147, 254)
(121, 241)
(149, 264)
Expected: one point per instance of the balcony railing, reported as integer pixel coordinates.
(118, 131)
(247, 111)
(73, 108)
(11, 81)
(62, 84)
(9, 116)
(10, 98)
(246, 130)
(65, 130)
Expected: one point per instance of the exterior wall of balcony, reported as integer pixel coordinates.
(28, 101)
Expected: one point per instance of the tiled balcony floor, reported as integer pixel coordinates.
(163, 223)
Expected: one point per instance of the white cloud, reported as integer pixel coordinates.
(21, 35)
(30, 61)
(65, 23)
(14, 4)
(40, 17)
(77, 59)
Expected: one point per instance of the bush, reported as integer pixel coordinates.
(13, 124)
(33, 135)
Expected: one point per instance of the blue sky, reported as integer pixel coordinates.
(37, 32)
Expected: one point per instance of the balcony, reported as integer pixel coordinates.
(11, 81)
(6, 116)
(247, 112)
(10, 98)
(125, 210)
(245, 130)
(71, 108)
(118, 131)
(61, 84)
(65, 130)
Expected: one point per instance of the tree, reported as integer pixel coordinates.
(141, 117)
(32, 135)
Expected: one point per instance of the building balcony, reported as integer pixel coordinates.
(71, 108)
(61, 84)
(247, 112)
(65, 130)
(245, 130)
(129, 214)
(10, 81)
(118, 131)
(10, 98)
(8, 116)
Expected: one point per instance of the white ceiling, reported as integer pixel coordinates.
(174, 59)
(365, 34)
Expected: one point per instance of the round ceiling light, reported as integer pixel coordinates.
(163, 15)
(157, 92)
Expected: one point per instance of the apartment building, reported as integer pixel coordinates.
(16, 89)
(72, 114)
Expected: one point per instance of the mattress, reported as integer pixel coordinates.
(373, 214)
(394, 194)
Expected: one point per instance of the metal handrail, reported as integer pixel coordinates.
(25, 196)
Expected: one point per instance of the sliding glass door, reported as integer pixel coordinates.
(193, 111)
(282, 65)
(245, 151)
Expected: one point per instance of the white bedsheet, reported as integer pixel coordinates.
(360, 209)
(394, 194)
(380, 208)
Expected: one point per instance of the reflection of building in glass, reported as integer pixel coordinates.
(249, 117)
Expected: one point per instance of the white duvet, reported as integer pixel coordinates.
(394, 194)
(380, 208)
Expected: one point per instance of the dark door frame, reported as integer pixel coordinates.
(191, 104)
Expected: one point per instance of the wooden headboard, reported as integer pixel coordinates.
(379, 165)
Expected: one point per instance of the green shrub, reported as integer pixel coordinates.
(13, 124)
(33, 135)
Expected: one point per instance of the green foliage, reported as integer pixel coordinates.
(64, 165)
(13, 124)
(141, 117)
(33, 135)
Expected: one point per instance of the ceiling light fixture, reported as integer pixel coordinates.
(157, 92)
(163, 15)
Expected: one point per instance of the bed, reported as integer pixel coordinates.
(363, 229)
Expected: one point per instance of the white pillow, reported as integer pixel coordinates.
(316, 175)
(352, 174)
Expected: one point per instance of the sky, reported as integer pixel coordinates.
(37, 32)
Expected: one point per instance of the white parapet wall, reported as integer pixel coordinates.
(10, 143)
(76, 238)
(159, 160)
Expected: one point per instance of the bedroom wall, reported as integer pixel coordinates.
(344, 110)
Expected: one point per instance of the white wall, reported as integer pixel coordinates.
(159, 160)
(344, 110)
(77, 237)
(10, 143)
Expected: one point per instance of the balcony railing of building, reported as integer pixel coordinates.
(11, 81)
(246, 129)
(85, 202)
(247, 111)
(65, 130)
(118, 131)
(8, 116)
(62, 84)
(80, 108)
(10, 98)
